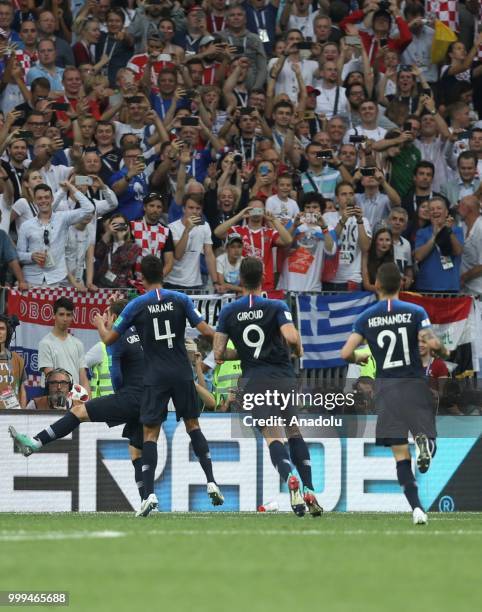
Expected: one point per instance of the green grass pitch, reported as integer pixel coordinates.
(246, 562)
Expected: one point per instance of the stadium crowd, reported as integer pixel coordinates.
(320, 136)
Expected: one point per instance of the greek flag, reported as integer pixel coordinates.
(325, 322)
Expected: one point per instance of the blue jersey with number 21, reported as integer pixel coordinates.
(391, 328)
(160, 319)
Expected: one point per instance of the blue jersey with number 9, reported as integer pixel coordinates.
(253, 324)
(391, 328)
(160, 319)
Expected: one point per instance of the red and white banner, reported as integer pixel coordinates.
(452, 318)
(446, 11)
(34, 308)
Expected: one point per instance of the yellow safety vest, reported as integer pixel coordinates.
(101, 382)
(225, 377)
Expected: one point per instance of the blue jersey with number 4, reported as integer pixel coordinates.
(391, 328)
(253, 324)
(160, 319)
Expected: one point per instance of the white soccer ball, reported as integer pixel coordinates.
(78, 393)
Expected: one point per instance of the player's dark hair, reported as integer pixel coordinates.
(63, 302)
(117, 307)
(388, 275)
(251, 272)
(151, 269)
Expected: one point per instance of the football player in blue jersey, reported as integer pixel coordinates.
(404, 403)
(126, 366)
(262, 332)
(160, 319)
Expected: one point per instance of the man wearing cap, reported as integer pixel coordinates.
(214, 58)
(282, 69)
(379, 35)
(228, 264)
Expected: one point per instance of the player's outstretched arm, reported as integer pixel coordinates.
(108, 336)
(348, 351)
(433, 342)
(219, 347)
(292, 337)
(205, 329)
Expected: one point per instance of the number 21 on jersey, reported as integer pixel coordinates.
(391, 336)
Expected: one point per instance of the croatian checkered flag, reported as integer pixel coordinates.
(446, 11)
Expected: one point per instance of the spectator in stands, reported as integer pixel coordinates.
(261, 233)
(402, 250)
(59, 349)
(475, 144)
(467, 181)
(281, 205)
(228, 264)
(116, 253)
(353, 233)
(236, 34)
(375, 204)
(131, 183)
(438, 251)
(380, 252)
(471, 278)
(12, 369)
(312, 241)
(192, 239)
(153, 237)
(323, 173)
(41, 240)
(422, 188)
(57, 386)
(369, 124)
(47, 67)
(46, 28)
(9, 259)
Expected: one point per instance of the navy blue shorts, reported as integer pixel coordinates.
(403, 407)
(155, 400)
(117, 409)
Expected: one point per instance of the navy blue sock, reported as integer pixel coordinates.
(280, 459)
(137, 463)
(149, 463)
(300, 456)
(201, 450)
(408, 483)
(59, 429)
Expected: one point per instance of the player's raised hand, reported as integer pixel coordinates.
(98, 321)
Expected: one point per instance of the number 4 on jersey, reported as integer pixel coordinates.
(167, 336)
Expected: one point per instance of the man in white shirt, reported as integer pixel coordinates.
(369, 123)
(354, 236)
(283, 68)
(331, 100)
(471, 268)
(41, 240)
(192, 238)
